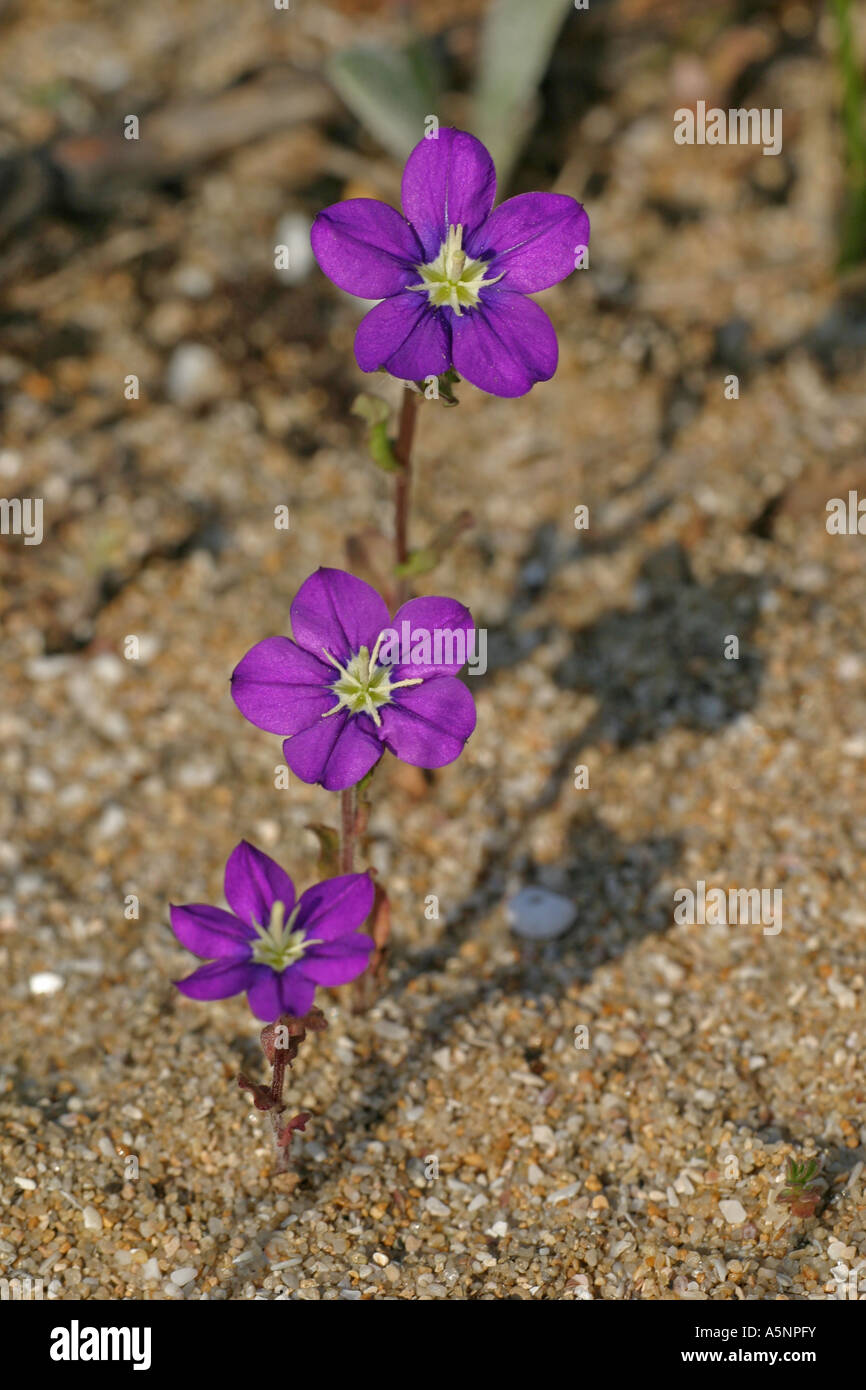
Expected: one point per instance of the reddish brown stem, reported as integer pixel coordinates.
(281, 1052)
(348, 828)
(403, 454)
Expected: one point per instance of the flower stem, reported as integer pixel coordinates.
(403, 454)
(854, 128)
(348, 828)
(281, 1152)
(280, 1043)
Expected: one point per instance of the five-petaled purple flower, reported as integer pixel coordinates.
(276, 949)
(452, 274)
(353, 683)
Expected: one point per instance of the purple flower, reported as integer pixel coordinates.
(452, 274)
(349, 685)
(269, 945)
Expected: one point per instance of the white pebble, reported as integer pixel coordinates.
(442, 1058)
(437, 1208)
(39, 779)
(543, 1134)
(108, 668)
(45, 982)
(150, 1268)
(733, 1211)
(111, 822)
(564, 1194)
(182, 1276)
(845, 997)
(92, 1219)
(194, 374)
(536, 914)
(837, 1251)
(498, 1229)
(27, 1183)
(391, 1032)
(534, 1174)
(193, 281)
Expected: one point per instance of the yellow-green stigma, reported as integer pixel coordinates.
(364, 686)
(454, 280)
(278, 945)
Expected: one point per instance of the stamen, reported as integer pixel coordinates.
(375, 655)
(279, 945)
(363, 685)
(454, 280)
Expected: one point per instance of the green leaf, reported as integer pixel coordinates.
(419, 562)
(391, 91)
(375, 412)
(329, 849)
(381, 451)
(371, 408)
(516, 44)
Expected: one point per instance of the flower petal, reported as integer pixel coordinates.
(271, 994)
(406, 336)
(436, 618)
(365, 247)
(505, 345)
(220, 980)
(336, 752)
(210, 931)
(447, 181)
(336, 612)
(254, 882)
(534, 238)
(427, 725)
(338, 962)
(334, 908)
(280, 687)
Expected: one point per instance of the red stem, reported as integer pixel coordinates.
(348, 828)
(403, 454)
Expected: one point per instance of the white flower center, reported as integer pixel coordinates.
(278, 944)
(363, 685)
(454, 280)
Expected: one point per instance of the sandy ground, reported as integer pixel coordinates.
(464, 1143)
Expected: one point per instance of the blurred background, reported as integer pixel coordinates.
(163, 387)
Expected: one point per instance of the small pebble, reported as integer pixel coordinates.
(45, 982)
(539, 915)
(564, 1193)
(194, 375)
(733, 1211)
